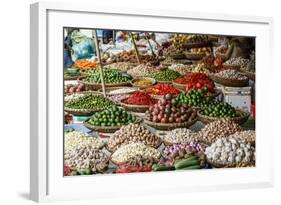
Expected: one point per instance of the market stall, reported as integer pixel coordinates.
(139, 105)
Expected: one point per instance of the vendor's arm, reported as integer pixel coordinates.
(228, 53)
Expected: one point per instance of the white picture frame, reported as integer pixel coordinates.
(46, 132)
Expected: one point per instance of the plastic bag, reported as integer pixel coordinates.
(82, 46)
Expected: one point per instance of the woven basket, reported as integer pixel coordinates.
(250, 75)
(184, 61)
(153, 82)
(84, 92)
(169, 126)
(164, 82)
(84, 112)
(96, 86)
(105, 129)
(240, 120)
(197, 44)
(194, 56)
(81, 112)
(179, 86)
(74, 77)
(177, 56)
(116, 163)
(229, 82)
(116, 88)
(166, 64)
(134, 108)
(159, 97)
(232, 66)
(230, 165)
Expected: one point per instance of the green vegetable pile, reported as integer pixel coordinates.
(166, 75)
(70, 72)
(219, 109)
(110, 76)
(194, 98)
(112, 116)
(211, 108)
(89, 101)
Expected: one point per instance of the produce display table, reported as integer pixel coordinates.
(164, 105)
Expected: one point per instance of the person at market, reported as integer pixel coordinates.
(239, 47)
(67, 48)
(107, 36)
(120, 36)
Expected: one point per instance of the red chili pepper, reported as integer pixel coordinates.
(140, 98)
(163, 89)
(218, 62)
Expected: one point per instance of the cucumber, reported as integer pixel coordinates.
(74, 173)
(191, 167)
(189, 158)
(86, 171)
(186, 163)
(163, 168)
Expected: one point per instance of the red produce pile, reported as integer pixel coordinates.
(196, 81)
(140, 98)
(66, 170)
(167, 110)
(199, 81)
(129, 169)
(163, 89)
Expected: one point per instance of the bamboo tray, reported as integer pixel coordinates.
(134, 108)
(159, 97)
(83, 112)
(230, 165)
(179, 86)
(250, 75)
(106, 129)
(74, 77)
(153, 82)
(99, 85)
(240, 120)
(85, 92)
(197, 44)
(229, 82)
(177, 56)
(232, 66)
(169, 126)
(164, 82)
(194, 56)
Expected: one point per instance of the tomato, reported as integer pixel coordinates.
(198, 85)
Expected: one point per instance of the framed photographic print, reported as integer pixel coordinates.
(130, 102)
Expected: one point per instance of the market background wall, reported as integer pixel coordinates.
(14, 101)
